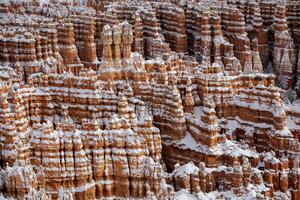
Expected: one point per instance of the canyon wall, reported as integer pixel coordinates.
(149, 100)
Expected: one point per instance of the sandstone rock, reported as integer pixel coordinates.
(67, 47)
(103, 101)
(283, 54)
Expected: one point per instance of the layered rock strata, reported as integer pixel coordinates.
(149, 100)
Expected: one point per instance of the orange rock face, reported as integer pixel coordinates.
(149, 99)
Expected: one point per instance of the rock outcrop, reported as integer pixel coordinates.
(149, 99)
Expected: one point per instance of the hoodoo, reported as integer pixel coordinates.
(149, 99)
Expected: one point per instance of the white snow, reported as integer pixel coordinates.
(252, 192)
(189, 141)
(186, 170)
(183, 194)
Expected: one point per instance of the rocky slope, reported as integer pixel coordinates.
(149, 99)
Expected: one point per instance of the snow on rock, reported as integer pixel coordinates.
(184, 195)
(186, 170)
(137, 99)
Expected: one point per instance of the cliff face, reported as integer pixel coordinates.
(149, 100)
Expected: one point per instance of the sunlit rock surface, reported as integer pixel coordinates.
(153, 99)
